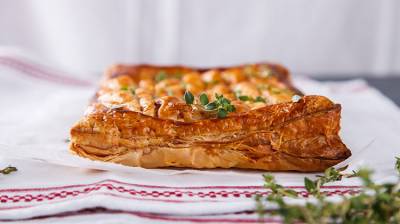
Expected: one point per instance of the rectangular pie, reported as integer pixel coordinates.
(247, 116)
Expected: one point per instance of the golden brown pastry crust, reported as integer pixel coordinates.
(149, 128)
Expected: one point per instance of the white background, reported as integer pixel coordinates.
(331, 37)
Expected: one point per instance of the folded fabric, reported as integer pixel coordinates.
(53, 184)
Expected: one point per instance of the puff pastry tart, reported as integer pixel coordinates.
(247, 116)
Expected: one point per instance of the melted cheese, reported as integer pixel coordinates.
(141, 90)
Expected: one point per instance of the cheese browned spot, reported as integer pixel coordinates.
(255, 85)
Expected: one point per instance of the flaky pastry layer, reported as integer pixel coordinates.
(277, 134)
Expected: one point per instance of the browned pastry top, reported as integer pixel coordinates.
(167, 116)
(158, 91)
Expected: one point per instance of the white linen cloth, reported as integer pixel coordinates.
(39, 105)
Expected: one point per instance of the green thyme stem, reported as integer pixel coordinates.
(221, 106)
(380, 206)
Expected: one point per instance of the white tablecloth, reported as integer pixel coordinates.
(39, 104)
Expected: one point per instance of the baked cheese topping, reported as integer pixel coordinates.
(159, 91)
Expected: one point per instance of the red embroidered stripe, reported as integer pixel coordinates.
(332, 187)
(62, 193)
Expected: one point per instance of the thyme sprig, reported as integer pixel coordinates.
(8, 170)
(221, 106)
(377, 203)
(249, 98)
(330, 175)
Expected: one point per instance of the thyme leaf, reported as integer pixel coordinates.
(249, 98)
(376, 203)
(244, 98)
(188, 97)
(8, 170)
(211, 106)
(222, 113)
(203, 99)
(260, 99)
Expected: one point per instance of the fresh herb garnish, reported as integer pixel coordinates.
(277, 190)
(260, 99)
(211, 106)
(377, 203)
(224, 106)
(203, 99)
(8, 170)
(188, 97)
(397, 165)
(161, 75)
(249, 98)
(124, 88)
(222, 113)
(221, 106)
(244, 98)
